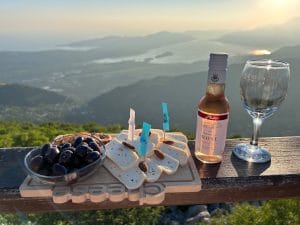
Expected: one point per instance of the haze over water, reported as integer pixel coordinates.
(35, 25)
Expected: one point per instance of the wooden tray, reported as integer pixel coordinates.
(102, 186)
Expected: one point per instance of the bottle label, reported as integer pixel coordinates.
(211, 133)
(216, 76)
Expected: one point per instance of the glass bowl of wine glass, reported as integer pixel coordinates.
(263, 87)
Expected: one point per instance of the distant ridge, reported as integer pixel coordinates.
(21, 95)
(151, 41)
(267, 36)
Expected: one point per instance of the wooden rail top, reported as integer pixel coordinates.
(231, 181)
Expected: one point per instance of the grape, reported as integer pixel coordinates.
(51, 155)
(82, 150)
(36, 163)
(92, 156)
(58, 170)
(66, 145)
(78, 141)
(89, 140)
(65, 157)
(45, 148)
(94, 146)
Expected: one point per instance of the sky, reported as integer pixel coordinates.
(139, 17)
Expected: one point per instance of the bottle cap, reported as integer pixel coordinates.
(217, 68)
(218, 61)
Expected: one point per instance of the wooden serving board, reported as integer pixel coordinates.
(101, 186)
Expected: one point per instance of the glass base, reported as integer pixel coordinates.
(252, 153)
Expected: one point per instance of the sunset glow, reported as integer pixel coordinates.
(260, 52)
(134, 17)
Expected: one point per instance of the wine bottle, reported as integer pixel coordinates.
(213, 113)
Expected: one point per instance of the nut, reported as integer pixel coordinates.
(143, 166)
(159, 154)
(168, 142)
(128, 145)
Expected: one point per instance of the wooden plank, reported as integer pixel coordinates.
(232, 180)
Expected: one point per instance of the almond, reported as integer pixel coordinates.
(159, 154)
(143, 167)
(168, 142)
(128, 145)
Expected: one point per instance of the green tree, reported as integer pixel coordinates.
(275, 212)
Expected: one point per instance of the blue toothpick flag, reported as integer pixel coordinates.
(144, 139)
(166, 122)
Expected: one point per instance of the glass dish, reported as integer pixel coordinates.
(73, 177)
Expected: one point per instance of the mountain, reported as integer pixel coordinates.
(150, 41)
(76, 71)
(20, 95)
(182, 94)
(206, 34)
(289, 51)
(90, 68)
(272, 36)
(30, 104)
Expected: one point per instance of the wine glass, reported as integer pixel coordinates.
(263, 87)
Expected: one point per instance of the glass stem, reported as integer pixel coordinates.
(256, 126)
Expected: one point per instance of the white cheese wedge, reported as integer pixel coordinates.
(168, 164)
(132, 178)
(175, 152)
(124, 157)
(177, 136)
(153, 171)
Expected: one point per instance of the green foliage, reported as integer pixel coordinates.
(275, 212)
(139, 216)
(13, 134)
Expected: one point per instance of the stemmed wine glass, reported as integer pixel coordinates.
(263, 87)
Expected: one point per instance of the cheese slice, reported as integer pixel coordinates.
(132, 178)
(153, 171)
(168, 164)
(177, 136)
(175, 152)
(124, 157)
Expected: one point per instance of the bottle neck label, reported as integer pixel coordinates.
(216, 76)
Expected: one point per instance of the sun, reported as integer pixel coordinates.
(276, 11)
(277, 3)
(280, 2)
(259, 52)
(283, 3)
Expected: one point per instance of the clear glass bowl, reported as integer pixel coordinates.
(73, 177)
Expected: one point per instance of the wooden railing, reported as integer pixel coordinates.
(231, 181)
